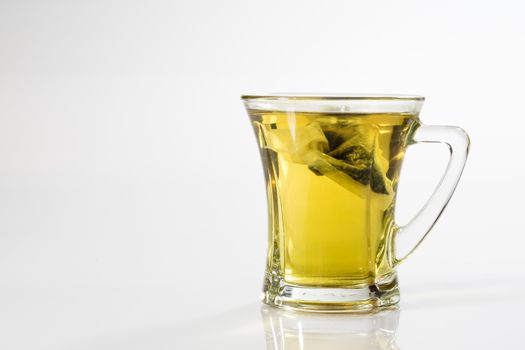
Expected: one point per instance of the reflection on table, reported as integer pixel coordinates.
(288, 330)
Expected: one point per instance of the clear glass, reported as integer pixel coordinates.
(332, 166)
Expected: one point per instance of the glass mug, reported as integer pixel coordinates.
(332, 165)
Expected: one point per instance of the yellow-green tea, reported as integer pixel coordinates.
(331, 182)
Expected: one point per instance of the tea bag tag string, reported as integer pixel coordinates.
(405, 239)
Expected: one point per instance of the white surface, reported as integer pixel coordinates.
(131, 193)
(461, 315)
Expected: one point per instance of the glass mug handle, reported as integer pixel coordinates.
(405, 239)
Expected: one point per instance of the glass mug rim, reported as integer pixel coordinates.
(330, 96)
(335, 103)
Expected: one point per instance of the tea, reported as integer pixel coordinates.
(331, 184)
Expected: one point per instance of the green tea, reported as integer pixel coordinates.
(331, 183)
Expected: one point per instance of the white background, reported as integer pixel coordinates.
(131, 190)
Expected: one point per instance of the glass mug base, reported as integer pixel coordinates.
(363, 298)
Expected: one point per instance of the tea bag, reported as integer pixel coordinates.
(301, 144)
(357, 149)
(346, 155)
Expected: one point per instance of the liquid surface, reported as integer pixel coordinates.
(331, 182)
